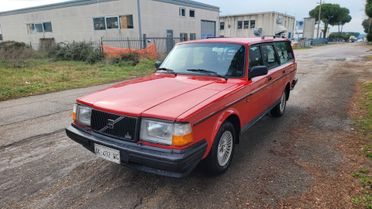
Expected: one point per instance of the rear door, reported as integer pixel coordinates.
(271, 60)
(280, 74)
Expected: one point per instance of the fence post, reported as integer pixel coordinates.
(128, 42)
(101, 45)
(144, 41)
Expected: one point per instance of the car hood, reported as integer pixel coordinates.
(160, 95)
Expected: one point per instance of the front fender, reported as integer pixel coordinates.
(220, 120)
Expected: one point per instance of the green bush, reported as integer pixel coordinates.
(127, 59)
(343, 35)
(15, 53)
(77, 51)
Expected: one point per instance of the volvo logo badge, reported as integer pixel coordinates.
(110, 124)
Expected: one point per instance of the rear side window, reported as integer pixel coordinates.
(255, 58)
(268, 56)
(284, 51)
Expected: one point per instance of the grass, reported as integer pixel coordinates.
(364, 126)
(39, 76)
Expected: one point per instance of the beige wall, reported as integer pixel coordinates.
(76, 23)
(157, 17)
(266, 21)
(70, 23)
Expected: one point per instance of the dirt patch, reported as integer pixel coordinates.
(335, 152)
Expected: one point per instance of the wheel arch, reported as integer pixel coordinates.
(231, 115)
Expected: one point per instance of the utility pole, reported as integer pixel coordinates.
(320, 11)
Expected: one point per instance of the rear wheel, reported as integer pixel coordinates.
(220, 156)
(279, 109)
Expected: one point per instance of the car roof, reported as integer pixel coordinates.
(243, 41)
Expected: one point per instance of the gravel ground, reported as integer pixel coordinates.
(301, 160)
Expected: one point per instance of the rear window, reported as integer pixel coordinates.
(284, 51)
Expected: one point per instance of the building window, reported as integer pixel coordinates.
(126, 22)
(39, 27)
(182, 12)
(192, 13)
(222, 26)
(192, 36)
(47, 27)
(112, 22)
(183, 36)
(253, 23)
(30, 28)
(240, 24)
(1, 37)
(246, 24)
(99, 23)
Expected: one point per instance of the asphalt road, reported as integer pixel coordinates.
(293, 161)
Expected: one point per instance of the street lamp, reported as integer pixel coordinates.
(320, 10)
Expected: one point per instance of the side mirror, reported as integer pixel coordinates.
(258, 71)
(157, 64)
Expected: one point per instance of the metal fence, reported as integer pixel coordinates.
(163, 44)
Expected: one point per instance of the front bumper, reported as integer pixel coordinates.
(173, 163)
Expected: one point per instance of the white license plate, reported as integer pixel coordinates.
(107, 153)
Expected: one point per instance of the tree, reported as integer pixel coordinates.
(369, 8)
(367, 25)
(331, 14)
(344, 18)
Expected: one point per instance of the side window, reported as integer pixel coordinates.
(281, 49)
(268, 56)
(255, 58)
(289, 50)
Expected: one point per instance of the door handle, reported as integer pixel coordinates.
(269, 78)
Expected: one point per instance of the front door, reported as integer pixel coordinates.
(170, 40)
(257, 90)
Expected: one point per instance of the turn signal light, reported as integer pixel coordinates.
(180, 141)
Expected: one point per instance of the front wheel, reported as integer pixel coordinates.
(279, 109)
(220, 156)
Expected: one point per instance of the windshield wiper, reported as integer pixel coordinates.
(207, 71)
(167, 70)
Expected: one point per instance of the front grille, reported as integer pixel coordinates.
(121, 127)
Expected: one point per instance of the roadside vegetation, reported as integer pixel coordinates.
(26, 72)
(363, 122)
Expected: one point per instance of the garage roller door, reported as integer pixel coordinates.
(208, 29)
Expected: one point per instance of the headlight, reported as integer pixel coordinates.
(177, 134)
(82, 114)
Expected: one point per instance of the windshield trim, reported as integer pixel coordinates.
(210, 75)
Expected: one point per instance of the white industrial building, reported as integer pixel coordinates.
(90, 20)
(268, 23)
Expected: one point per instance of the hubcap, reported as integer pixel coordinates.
(225, 147)
(282, 103)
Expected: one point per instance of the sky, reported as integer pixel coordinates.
(297, 8)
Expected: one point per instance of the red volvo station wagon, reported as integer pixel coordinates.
(193, 109)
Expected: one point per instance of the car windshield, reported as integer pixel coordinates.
(215, 59)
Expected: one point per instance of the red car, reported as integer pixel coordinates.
(192, 109)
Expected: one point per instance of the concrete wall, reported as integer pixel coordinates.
(309, 28)
(70, 23)
(157, 17)
(75, 23)
(266, 20)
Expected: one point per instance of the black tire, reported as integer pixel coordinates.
(211, 163)
(279, 109)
